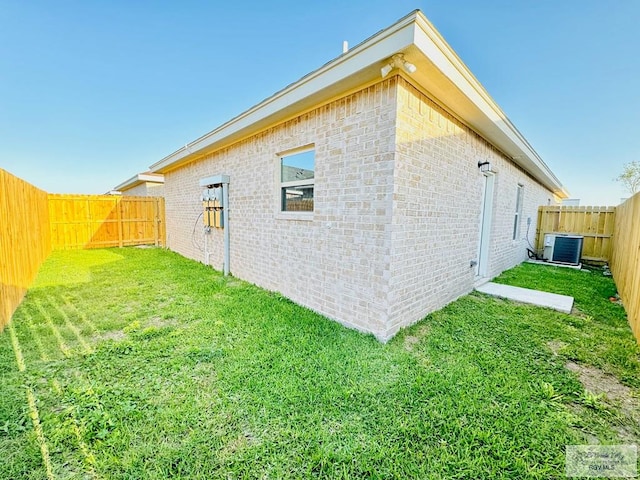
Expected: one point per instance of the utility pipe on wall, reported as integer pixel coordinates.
(225, 223)
(206, 250)
(207, 253)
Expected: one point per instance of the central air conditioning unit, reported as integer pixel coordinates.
(560, 248)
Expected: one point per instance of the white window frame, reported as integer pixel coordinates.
(293, 215)
(517, 218)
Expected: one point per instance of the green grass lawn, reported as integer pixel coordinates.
(142, 364)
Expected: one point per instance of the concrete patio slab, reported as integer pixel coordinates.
(562, 303)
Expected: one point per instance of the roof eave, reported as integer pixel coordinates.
(151, 177)
(475, 105)
(139, 179)
(317, 86)
(440, 73)
(127, 184)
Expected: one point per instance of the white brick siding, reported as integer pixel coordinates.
(337, 263)
(438, 192)
(397, 209)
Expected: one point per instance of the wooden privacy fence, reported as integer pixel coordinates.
(24, 240)
(32, 223)
(100, 221)
(611, 234)
(625, 261)
(596, 224)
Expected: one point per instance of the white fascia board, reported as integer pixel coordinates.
(316, 85)
(127, 184)
(492, 123)
(450, 82)
(151, 177)
(138, 179)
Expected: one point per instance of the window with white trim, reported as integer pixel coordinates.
(297, 180)
(518, 215)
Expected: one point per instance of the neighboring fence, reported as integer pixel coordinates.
(596, 224)
(100, 221)
(32, 223)
(625, 262)
(24, 240)
(611, 234)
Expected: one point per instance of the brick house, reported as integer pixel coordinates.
(374, 190)
(145, 184)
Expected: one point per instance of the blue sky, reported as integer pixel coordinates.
(93, 92)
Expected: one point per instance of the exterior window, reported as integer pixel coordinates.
(297, 180)
(518, 214)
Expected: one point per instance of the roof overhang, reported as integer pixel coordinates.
(147, 177)
(440, 74)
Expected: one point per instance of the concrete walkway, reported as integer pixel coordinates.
(562, 303)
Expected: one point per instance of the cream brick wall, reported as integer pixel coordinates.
(438, 191)
(338, 262)
(146, 189)
(397, 209)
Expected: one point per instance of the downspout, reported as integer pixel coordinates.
(225, 223)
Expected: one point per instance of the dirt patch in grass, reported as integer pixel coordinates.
(242, 441)
(555, 346)
(626, 435)
(596, 381)
(159, 322)
(115, 335)
(576, 312)
(410, 341)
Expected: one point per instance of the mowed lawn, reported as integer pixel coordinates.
(138, 363)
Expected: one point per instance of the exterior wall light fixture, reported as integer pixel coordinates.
(484, 166)
(398, 61)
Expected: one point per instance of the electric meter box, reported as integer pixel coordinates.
(212, 207)
(212, 200)
(214, 181)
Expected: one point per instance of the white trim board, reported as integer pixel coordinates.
(440, 72)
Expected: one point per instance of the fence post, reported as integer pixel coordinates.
(538, 241)
(156, 225)
(119, 218)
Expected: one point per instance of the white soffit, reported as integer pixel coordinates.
(452, 83)
(151, 177)
(440, 73)
(127, 184)
(139, 179)
(350, 70)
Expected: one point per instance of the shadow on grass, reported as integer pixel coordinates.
(158, 366)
